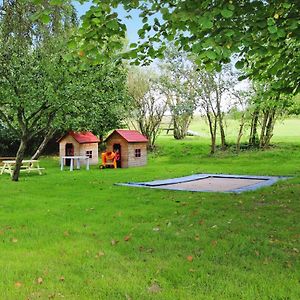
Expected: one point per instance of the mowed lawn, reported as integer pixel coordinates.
(75, 235)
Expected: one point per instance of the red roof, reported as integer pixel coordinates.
(131, 136)
(82, 137)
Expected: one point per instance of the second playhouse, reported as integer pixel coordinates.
(130, 145)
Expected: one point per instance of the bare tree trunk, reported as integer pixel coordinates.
(253, 131)
(181, 125)
(263, 129)
(19, 158)
(222, 134)
(269, 128)
(220, 119)
(213, 133)
(214, 137)
(240, 134)
(44, 143)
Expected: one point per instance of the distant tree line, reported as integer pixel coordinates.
(182, 87)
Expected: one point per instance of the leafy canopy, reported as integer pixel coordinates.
(260, 36)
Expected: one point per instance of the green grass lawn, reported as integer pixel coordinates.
(75, 235)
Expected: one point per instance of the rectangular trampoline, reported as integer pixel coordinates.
(211, 183)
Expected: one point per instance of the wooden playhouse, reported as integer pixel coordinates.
(131, 145)
(79, 144)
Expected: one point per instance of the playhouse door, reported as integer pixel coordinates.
(117, 150)
(69, 152)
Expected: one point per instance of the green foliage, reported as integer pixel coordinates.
(99, 97)
(295, 107)
(264, 35)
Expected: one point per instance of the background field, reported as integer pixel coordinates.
(78, 236)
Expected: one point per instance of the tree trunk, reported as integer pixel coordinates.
(177, 130)
(181, 125)
(240, 134)
(222, 133)
(213, 138)
(213, 133)
(19, 158)
(269, 128)
(220, 120)
(263, 129)
(44, 143)
(253, 131)
(221, 127)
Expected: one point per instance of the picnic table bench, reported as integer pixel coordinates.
(27, 166)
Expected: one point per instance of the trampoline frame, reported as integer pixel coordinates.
(159, 184)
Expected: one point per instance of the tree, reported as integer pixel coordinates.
(148, 107)
(29, 73)
(96, 99)
(263, 35)
(211, 90)
(242, 100)
(175, 85)
(267, 107)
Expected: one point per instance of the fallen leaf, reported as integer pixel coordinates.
(190, 258)
(256, 253)
(114, 242)
(150, 250)
(288, 264)
(128, 297)
(66, 233)
(39, 280)
(195, 212)
(127, 238)
(154, 288)
(201, 222)
(99, 254)
(214, 243)
(18, 284)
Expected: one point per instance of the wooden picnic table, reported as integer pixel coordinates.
(2, 158)
(30, 165)
(72, 160)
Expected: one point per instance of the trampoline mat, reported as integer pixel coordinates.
(214, 184)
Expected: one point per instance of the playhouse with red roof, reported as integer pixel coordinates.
(131, 146)
(79, 144)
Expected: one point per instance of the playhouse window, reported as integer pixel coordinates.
(137, 152)
(89, 154)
